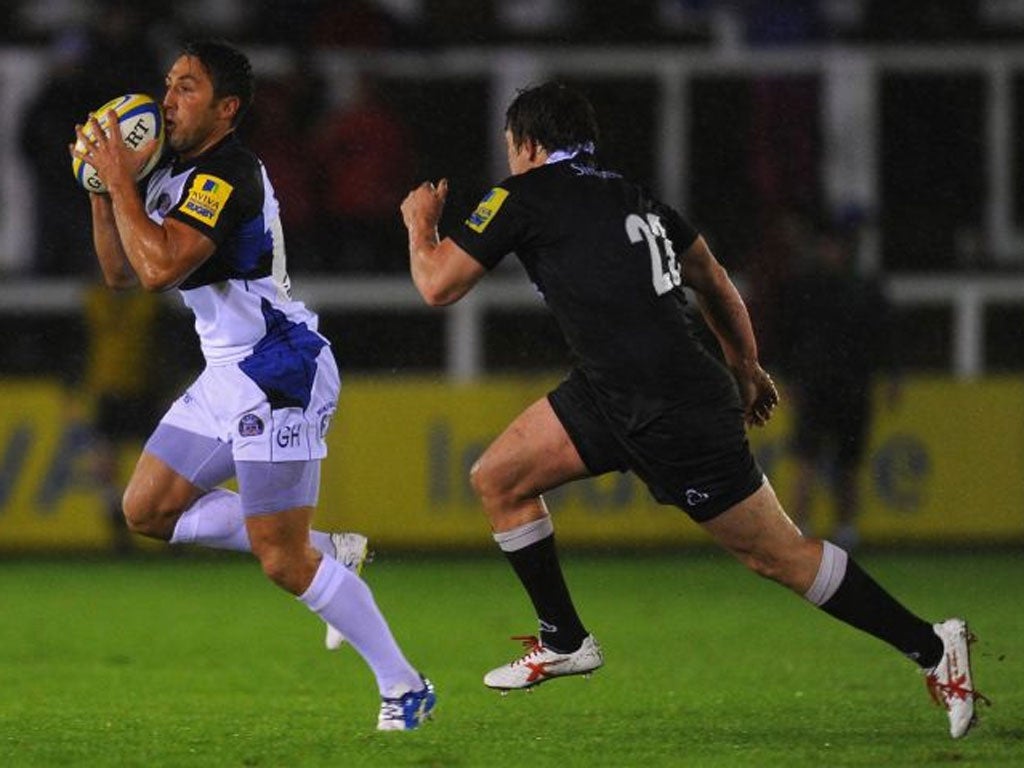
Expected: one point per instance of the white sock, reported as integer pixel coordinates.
(215, 520)
(321, 542)
(344, 601)
(525, 535)
(831, 572)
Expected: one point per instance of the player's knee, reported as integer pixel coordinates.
(489, 484)
(136, 511)
(146, 516)
(476, 479)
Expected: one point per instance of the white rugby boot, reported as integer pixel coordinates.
(949, 682)
(352, 551)
(540, 664)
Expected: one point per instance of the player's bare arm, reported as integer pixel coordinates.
(726, 314)
(442, 272)
(161, 256)
(117, 271)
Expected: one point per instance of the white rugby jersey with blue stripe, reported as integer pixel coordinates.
(240, 295)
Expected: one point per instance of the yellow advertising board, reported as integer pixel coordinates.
(47, 497)
(945, 465)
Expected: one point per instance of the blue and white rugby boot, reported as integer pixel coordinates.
(408, 711)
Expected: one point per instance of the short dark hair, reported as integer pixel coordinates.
(229, 69)
(553, 115)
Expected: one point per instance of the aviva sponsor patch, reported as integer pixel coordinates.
(206, 198)
(490, 205)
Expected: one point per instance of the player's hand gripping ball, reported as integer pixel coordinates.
(141, 122)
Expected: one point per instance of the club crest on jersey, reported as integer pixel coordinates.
(485, 210)
(206, 198)
(250, 425)
(163, 204)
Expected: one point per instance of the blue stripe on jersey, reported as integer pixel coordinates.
(248, 245)
(283, 363)
(247, 255)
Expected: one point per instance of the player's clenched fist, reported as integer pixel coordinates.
(422, 207)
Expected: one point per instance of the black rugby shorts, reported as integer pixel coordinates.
(694, 457)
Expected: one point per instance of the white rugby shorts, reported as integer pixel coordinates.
(227, 405)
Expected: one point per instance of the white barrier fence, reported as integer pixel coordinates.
(967, 297)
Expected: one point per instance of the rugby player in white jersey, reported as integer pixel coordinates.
(208, 225)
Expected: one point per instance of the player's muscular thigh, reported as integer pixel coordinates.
(531, 456)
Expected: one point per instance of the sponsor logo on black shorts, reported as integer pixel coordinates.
(695, 497)
(250, 425)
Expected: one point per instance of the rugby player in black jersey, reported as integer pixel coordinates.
(611, 262)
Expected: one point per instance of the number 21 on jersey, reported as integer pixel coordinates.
(664, 264)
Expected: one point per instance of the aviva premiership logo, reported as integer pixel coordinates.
(481, 217)
(206, 198)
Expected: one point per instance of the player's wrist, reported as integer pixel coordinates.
(120, 185)
(744, 364)
(423, 227)
(423, 238)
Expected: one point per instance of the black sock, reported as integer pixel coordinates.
(862, 603)
(537, 567)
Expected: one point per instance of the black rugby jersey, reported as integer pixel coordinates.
(606, 257)
(221, 193)
(240, 296)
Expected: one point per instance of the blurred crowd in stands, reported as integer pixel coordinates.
(428, 23)
(341, 163)
(341, 166)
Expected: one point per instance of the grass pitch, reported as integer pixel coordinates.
(198, 661)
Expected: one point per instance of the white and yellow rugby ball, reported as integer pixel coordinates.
(141, 122)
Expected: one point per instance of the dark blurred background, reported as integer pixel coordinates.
(763, 121)
(855, 165)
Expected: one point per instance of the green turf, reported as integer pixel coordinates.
(196, 661)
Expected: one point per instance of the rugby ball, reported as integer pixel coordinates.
(141, 122)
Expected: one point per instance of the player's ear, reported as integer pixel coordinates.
(229, 107)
